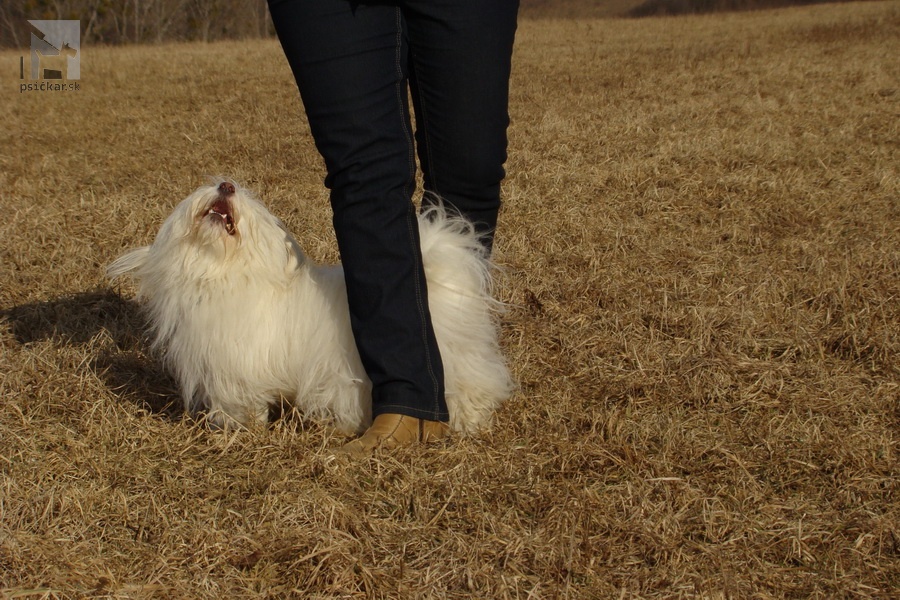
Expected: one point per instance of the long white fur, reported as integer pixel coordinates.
(245, 320)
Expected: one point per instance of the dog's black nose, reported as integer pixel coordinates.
(226, 188)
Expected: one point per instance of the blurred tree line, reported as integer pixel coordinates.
(652, 8)
(139, 21)
(155, 21)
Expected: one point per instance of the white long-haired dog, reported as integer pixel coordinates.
(245, 320)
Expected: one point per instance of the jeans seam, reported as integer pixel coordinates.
(410, 215)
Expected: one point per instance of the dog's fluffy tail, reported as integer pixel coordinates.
(465, 318)
(453, 252)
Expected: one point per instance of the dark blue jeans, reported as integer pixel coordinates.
(355, 64)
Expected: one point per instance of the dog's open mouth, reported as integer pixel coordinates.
(221, 209)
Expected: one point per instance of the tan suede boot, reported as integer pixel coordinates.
(391, 430)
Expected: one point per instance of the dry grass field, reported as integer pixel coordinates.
(701, 252)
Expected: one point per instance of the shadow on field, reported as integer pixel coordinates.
(112, 328)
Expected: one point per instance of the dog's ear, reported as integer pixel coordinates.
(128, 262)
(295, 256)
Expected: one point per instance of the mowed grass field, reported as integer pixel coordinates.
(701, 261)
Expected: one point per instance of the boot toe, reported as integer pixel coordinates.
(390, 431)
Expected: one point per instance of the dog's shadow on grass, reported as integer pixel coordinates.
(113, 328)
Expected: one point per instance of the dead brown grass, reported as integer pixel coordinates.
(703, 265)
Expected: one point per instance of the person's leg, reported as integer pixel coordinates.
(350, 60)
(460, 55)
